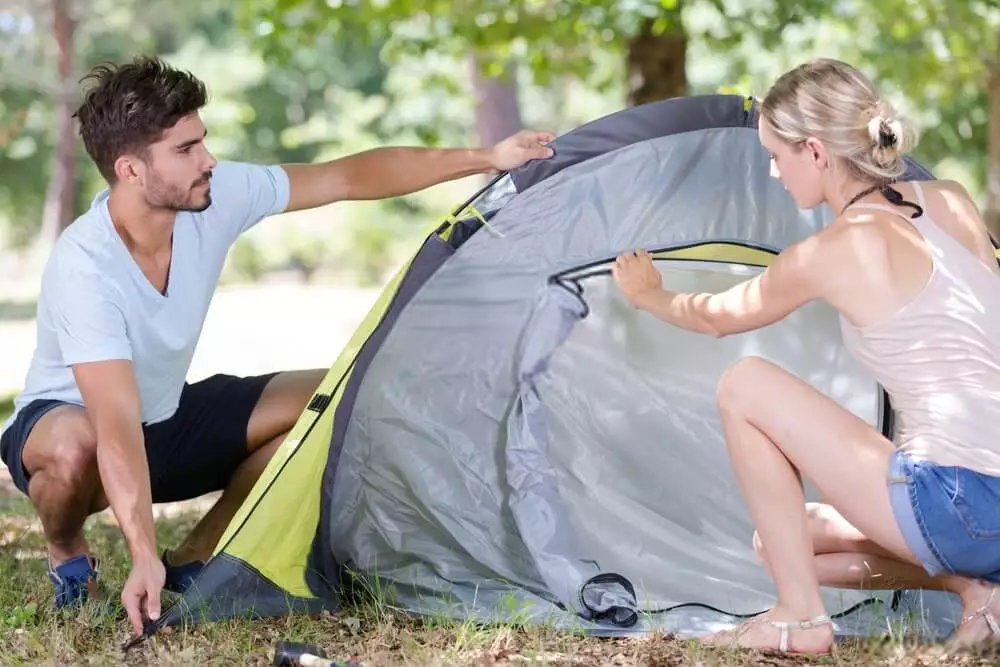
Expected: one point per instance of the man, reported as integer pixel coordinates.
(122, 303)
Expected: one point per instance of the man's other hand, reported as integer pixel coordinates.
(141, 593)
(519, 148)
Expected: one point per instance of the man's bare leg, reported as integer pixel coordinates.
(279, 407)
(60, 459)
(201, 542)
(60, 456)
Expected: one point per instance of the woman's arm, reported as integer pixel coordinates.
(783, 287)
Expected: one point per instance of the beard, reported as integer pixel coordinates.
(172, 197)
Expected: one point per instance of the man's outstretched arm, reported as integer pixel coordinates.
(382, 173)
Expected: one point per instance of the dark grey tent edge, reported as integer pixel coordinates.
(629, 126)
(323, 569)
(649, 121)
(246, 592)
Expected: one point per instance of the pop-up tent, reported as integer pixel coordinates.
(505, 439)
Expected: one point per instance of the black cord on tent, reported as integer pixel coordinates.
(893, 604)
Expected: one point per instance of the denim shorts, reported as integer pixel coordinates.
(949, 516)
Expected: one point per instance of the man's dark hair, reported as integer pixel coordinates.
(131, 106)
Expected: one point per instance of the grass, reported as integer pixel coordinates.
(31, 632)
(6, 406)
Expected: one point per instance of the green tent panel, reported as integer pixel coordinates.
(505, 439)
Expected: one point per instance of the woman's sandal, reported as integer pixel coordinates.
(785, 627)
(987, 615)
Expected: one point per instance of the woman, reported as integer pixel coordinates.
(911, 271)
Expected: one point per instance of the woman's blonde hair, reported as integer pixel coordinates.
(835, 103)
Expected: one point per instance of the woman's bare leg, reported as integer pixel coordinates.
(778, 427)
(845, 558)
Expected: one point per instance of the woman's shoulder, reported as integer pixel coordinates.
(946, 204)
(954, 211)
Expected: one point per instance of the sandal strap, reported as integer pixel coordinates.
(992, 622)
(985, 613)
(785, 626)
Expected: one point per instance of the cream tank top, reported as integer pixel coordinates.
(939, 356)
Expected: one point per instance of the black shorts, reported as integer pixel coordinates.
(192, 453)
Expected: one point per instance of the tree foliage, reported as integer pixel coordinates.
(296, 80)
(933, 57)
(257, 111)
(937, 56)
(552, 37)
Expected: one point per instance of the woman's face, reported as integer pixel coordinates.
(799, 166)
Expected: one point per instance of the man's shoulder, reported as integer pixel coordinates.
(240, 176)
(83, 250)
(243, 193)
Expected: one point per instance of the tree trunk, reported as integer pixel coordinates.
(496, 103)
(60, 195)
(657, 67)
(991, 210)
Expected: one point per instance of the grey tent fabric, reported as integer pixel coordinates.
(498, 455)
(514, 443)
(648, 121)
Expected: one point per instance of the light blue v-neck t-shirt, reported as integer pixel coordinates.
(95, 303)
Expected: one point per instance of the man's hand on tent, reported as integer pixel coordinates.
(637, 277)
(519, 148)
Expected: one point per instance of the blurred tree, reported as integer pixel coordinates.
(939, 57)
(553, 37)
(257, 112)
(554, 40)
(939, 62)
(26, 137)
(61, 192)
(497, 104)
(943, 57)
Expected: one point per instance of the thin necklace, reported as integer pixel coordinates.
(890, 193)
(864, 193)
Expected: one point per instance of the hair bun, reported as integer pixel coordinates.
(884, 133)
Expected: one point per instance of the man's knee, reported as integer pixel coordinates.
(63, 446)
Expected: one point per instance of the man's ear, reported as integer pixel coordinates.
(129, 169)
(817, 153)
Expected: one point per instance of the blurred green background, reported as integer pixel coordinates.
(306, 80)
(303, 80)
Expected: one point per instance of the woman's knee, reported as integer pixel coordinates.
(740, 381)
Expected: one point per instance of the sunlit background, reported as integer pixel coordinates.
(306, 80)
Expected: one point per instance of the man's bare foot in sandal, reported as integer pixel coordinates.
(980, 622)
(779, 630)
